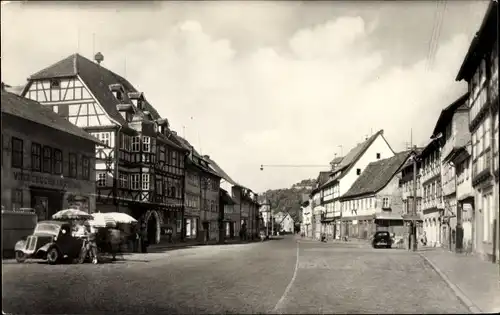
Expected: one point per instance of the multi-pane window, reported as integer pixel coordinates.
(17, 199)
(161, 149)
(146, 144)
(495, 140)
(385, 203)
(17, 152)
(123, 179)
(136, 144)
(58, 162)
(36, 157)
(72, 165)
(47, 159)
(145, 181)
(85, 167)
(135, 181)
(174, 158)
(101, 179)
(159, 186)
(125, 142)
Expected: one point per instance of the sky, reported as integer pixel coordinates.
(273, 83)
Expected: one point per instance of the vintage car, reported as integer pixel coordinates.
(51, 241)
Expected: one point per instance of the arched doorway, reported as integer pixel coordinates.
(153, 226)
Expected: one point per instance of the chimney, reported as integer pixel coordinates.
(174, 133)
(207, 157)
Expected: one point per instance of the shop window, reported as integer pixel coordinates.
(17, 152)
(36, 157)
(17, 199)
(58, 162)
(85, 167)
(72, 165)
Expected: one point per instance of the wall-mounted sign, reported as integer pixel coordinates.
(46, 180)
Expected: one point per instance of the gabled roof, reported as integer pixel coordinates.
(354, 155)
(482, 43)
(447, 114)
(337, 160)
(432, 146)
(377, 175)
(24, 108)
(221, 172)
(320, 181)
(97, 79)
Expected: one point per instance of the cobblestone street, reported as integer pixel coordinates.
(240, 278)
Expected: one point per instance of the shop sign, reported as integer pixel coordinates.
(45, 180)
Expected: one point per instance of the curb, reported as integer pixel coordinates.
(474, 309)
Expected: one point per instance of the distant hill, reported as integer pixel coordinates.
(289, 199)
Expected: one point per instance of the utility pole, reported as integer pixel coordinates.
(414, 227)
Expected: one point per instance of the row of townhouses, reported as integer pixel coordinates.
(133, 163)
(449, 187)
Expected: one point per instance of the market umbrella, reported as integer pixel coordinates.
(71, 214)
(102, 220)
(119, 217)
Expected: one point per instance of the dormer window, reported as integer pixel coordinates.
(118, 91)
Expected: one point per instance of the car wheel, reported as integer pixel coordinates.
(388, 246)
(53, 256)
(20, 256)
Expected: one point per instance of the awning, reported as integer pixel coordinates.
(410, 217)
(359, 217)
(327, 219)
(388, 216)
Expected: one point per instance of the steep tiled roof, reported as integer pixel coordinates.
(24, 108)
(337, 160)
(483, 42)
(222, 173)
(353, 156)
(377, 175)
(447, 114)
(98, 79)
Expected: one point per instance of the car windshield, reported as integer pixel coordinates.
(382, 234)
(47, 228)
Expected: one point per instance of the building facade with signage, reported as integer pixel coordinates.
(139, 169)
(480, 70)
(47, 162)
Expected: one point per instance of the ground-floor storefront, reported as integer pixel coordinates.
(46, 194)
(431, 226)
(363, 227)
(485, 220)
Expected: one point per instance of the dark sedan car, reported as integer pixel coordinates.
(51, 240)
(382, 239)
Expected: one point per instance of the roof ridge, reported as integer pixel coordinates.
(52, 65)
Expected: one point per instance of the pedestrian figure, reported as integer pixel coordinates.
(144, 239)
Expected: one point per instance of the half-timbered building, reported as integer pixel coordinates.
(201, 209)
(480, 70)
(139, 169)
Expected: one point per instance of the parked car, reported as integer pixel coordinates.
(51, 241)
(382, 238)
